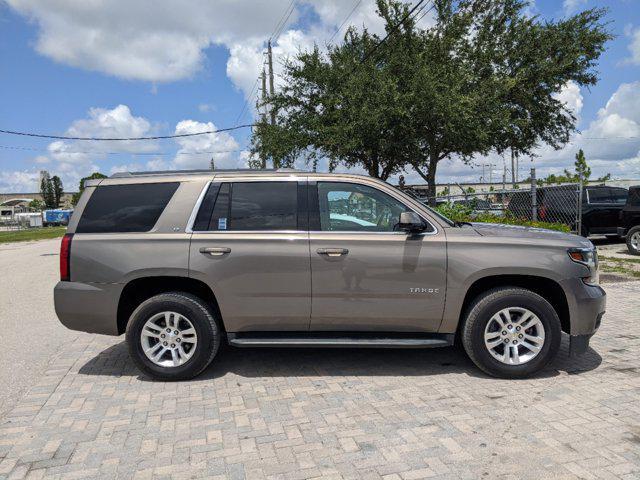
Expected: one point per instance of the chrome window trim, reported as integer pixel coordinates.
(354, 232)
(196, 208)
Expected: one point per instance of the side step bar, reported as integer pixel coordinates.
(339, 340)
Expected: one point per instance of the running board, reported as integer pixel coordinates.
(339, 340)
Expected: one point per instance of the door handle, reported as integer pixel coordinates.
(215, 251)
(332, 252)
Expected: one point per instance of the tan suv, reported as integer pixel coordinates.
(182, 261)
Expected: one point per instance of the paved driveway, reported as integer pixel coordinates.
(296, 414)
(31, 333)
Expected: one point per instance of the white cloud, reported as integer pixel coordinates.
(74, 159)
(151, 40)
(206, 107)
(571, 96)
(572, 6)
(634, 46)
(194, 151)
(25, 181)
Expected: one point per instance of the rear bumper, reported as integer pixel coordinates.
(622, 232)
(88, 307)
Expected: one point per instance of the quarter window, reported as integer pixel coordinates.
(125, 208)
(350, 207)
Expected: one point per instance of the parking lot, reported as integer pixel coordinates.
(83, 411)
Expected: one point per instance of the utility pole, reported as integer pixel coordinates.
(272, 110)
(271, 88)
(264, 114)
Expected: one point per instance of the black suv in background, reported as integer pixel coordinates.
(601, 206)
(629, 225)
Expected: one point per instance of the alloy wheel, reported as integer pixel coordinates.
(514, 336)
(168, 339)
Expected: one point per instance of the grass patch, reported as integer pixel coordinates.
(624, 266)
(31, 234)
(614, 259)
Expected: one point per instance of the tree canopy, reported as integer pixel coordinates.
(484, 77)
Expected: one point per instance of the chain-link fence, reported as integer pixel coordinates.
(557, 204)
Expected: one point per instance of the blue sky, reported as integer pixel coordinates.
(140, 68)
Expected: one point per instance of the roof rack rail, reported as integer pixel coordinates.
(201, 172)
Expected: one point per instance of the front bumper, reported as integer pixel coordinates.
(88, 307)
(586, 306)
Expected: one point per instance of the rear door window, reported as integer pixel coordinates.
(245, 206)
(125, 208)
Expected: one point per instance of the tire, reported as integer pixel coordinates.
(196, 344)
(482, 315)
(584, 232)
(633, 240)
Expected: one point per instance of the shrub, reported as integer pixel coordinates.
(462, 213)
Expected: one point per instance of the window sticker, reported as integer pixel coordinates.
(222, 223)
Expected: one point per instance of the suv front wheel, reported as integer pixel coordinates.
(511, 332)
(173, 336)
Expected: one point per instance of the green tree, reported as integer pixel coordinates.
(36, 205)
(76, 196)
(482, 78)
(46, 190)
(582, 169)
(57, 189)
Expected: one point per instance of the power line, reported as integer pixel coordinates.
(100, 152)
(425, 13)
(246, 101)
(124, 139)
(392, 30)
(283, 20)
(357, 4)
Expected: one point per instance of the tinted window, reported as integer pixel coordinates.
(206, 208)
(600, 195)
(264, 206)
(619, 195)
(125, 208)
(254, 206)
(350, 207)
(634, 197)
(221, 210)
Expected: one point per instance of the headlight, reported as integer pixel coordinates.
(589, 258)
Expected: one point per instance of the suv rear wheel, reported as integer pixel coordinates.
(511, 332)
(633, 240)
(173, 336)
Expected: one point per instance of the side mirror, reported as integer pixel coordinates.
(410, 222)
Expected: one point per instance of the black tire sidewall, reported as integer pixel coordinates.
(539, 307)
(206, 332)
(632, 250)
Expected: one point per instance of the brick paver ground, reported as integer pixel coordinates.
(294, 414)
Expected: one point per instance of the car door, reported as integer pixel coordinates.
(367, 275)
(603, 216)
(250, 245)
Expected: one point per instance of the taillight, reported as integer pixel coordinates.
(65, 258)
